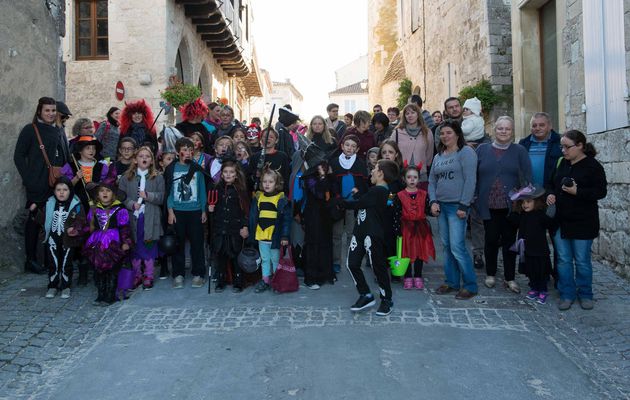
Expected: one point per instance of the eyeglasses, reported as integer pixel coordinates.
(565, 148)
(124, 149)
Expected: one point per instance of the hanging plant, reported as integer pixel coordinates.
(178, 93)
(404, 92)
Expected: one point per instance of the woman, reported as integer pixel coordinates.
(108, 134)
(136, 122)
(193, 114)
(451, 189)
(415, 141)
(502, 166)
(30, 163)
(228, 124)
(382, 128)
(319, 134)
(437, 117)
(579, 182)
(213, 120)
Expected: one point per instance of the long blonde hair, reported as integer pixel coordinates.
(325, 135)
(131, 171)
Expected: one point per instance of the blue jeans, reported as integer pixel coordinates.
(458, 264)
(575, 270)
(269, 257)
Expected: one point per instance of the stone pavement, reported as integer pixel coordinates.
(187, 343)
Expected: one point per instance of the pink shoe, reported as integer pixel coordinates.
(418, 283)
(408, 283)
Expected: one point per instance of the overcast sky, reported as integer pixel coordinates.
(306, 41)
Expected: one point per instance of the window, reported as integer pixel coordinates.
(415, 15)
(605, 86)
(349, 106)
(91, 30)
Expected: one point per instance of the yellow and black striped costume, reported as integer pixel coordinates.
(267, 215)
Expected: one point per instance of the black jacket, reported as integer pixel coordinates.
(30, 163)
(578, 216)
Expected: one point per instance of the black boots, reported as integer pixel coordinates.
(83, 275)
(34, 267)
(106, 285)
(99, 280)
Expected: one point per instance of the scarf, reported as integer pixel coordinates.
(143, 183)
(501, 146)
(347, 162)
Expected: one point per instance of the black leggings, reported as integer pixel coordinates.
(500, 233)
(415, 269)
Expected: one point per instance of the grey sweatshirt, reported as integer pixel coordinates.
(453, 177)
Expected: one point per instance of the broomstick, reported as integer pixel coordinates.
(261, 160)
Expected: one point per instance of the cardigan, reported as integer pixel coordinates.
(154, 187)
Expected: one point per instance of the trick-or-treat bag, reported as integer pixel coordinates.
(285, 278)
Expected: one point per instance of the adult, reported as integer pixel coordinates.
(319, 134)
(63, 115)
(333, 121)
(228, 123)
(33, 169)
(579, 182)
(347, 119)
(287, 121)
(543, 147)
(136, 122)
(437, 117)
(502, 166)
(451, 189)
(393, 113)
(213, 119)
(428, 120)
(377, 109)
(415, 141)
(81, 127)
(361, 126)
(193, 114)
(382, 128)
(108, 133)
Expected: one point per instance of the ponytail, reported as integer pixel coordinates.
(578, 137)
(589, 150)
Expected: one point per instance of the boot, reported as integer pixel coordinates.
(34, 267)
(237, 283)
(164, 267)
(112, 283)
(83, 275)
(100, 288)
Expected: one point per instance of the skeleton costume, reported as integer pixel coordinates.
(368, 237)
(59, 247)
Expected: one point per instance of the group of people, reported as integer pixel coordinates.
(107, 197)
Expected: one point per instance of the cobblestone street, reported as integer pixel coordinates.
(188, 344)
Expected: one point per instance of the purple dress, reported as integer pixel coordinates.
(111, 230)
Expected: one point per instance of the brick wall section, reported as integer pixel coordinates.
(613, 146)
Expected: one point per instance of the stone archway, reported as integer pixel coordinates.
(205, 81)
(417, 91)
(183, 62)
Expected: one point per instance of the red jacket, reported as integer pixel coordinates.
(367, 141)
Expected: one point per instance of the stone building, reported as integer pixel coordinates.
(571, 60)
(351, 83)
(261, 106)
(31, 66)
(441, 46)
(286, 93)
(142, 43)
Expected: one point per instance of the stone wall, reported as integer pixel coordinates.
(31, 68)
(613, 146)
(141, 55)
(382, 45)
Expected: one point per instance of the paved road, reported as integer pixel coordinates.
(187, 344)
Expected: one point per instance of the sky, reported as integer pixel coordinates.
(306, 41)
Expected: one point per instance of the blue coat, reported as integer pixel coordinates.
(551, 156)
(514, 169)
(283, 221)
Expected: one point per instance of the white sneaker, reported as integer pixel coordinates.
(512, 286)
(490, 281)
(197, 282)
(51, 293)
(65, 294)
(314, 286)
(178, 282)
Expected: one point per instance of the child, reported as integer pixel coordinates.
(372, 158)
(126, 149)
(186, 205)
(368, 237)
(349, 181)
(270, 221)
(533, 222)
(64, 221)
(253, 138)
(222, 146)
(109, 241)
(164, 160)
(473, 125)
(144, 188)
(410, 222)
(229, 223)
(274, 159)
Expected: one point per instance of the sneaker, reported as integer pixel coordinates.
(364, 301)
(219, 287)
(542, 298)
(314, 286)
(489, 282)
(237, 289)
(512, 286)
(418, 283)
(479, 264)
(445, 289)
(147, 284)
(65, 294)
(178, 282)
(564, 304)
(51, 293)
(262, 286)
(465, 294)
(336, 268)
(197, 282)
(586, 304)
(163, 272)
(408, 283)
(385, 308)
(532, 295)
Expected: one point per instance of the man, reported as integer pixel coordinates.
(63, 115)
(543, 146)
(333, 121)
(428, 119)
(377, 109)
